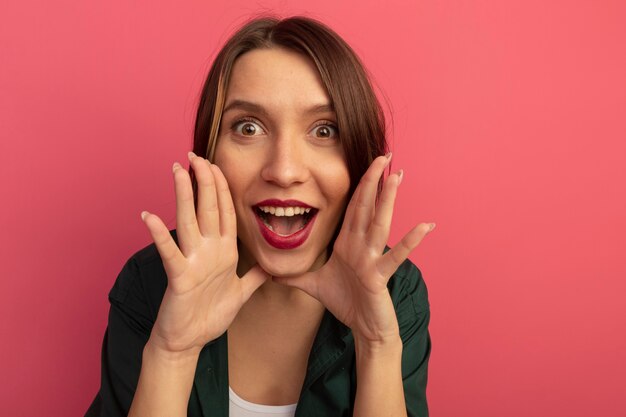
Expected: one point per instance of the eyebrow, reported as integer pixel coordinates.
(257, 108)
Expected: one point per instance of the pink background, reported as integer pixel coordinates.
(510, 124)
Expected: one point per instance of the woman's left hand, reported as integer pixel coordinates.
(353, 283)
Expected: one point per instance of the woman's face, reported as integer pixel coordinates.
(279, 149)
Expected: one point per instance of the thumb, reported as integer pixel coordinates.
(307, 283)
(252, 280)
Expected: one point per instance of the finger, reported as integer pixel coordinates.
(252, 280)
(307, 283)
(381, 225)
(228, 218)
(207, 212)
(173, 259)
(396, 255)
(186, 224)
(365, 201)
(357, 196)
(349, 215)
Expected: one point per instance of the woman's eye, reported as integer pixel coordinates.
(325, 131)
(248, 128)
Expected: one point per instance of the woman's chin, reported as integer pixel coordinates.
(284, 269)
(286, 263)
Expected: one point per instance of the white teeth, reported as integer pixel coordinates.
(284, 211)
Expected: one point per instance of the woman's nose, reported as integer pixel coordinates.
(286, 163)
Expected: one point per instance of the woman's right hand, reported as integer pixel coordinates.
(204, 293)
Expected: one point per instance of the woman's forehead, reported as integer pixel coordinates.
(276, 78)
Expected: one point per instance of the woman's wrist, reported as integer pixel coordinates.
(389, 346)
(154, 350)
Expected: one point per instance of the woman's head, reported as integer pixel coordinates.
(360, 119)
(289, 116)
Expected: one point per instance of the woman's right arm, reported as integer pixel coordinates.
(164, 383)
(204, 293)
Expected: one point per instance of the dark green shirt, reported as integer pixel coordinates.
(330, 383)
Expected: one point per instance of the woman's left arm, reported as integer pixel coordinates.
(353, 286)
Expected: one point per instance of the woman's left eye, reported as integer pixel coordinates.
(325, 131)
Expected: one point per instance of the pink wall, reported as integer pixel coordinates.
(510, 124)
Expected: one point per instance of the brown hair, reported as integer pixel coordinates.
(360, 118)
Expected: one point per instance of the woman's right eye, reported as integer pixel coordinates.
(248, 128)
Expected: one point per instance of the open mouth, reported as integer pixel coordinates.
(285, 221)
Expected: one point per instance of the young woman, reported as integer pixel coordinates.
(276, 294)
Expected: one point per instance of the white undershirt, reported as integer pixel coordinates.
(242, 408)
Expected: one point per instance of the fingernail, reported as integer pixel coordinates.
(432, 226)
(388, 156)
(176, 166)
(191, 155)
(400, 176)
(143, 215)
